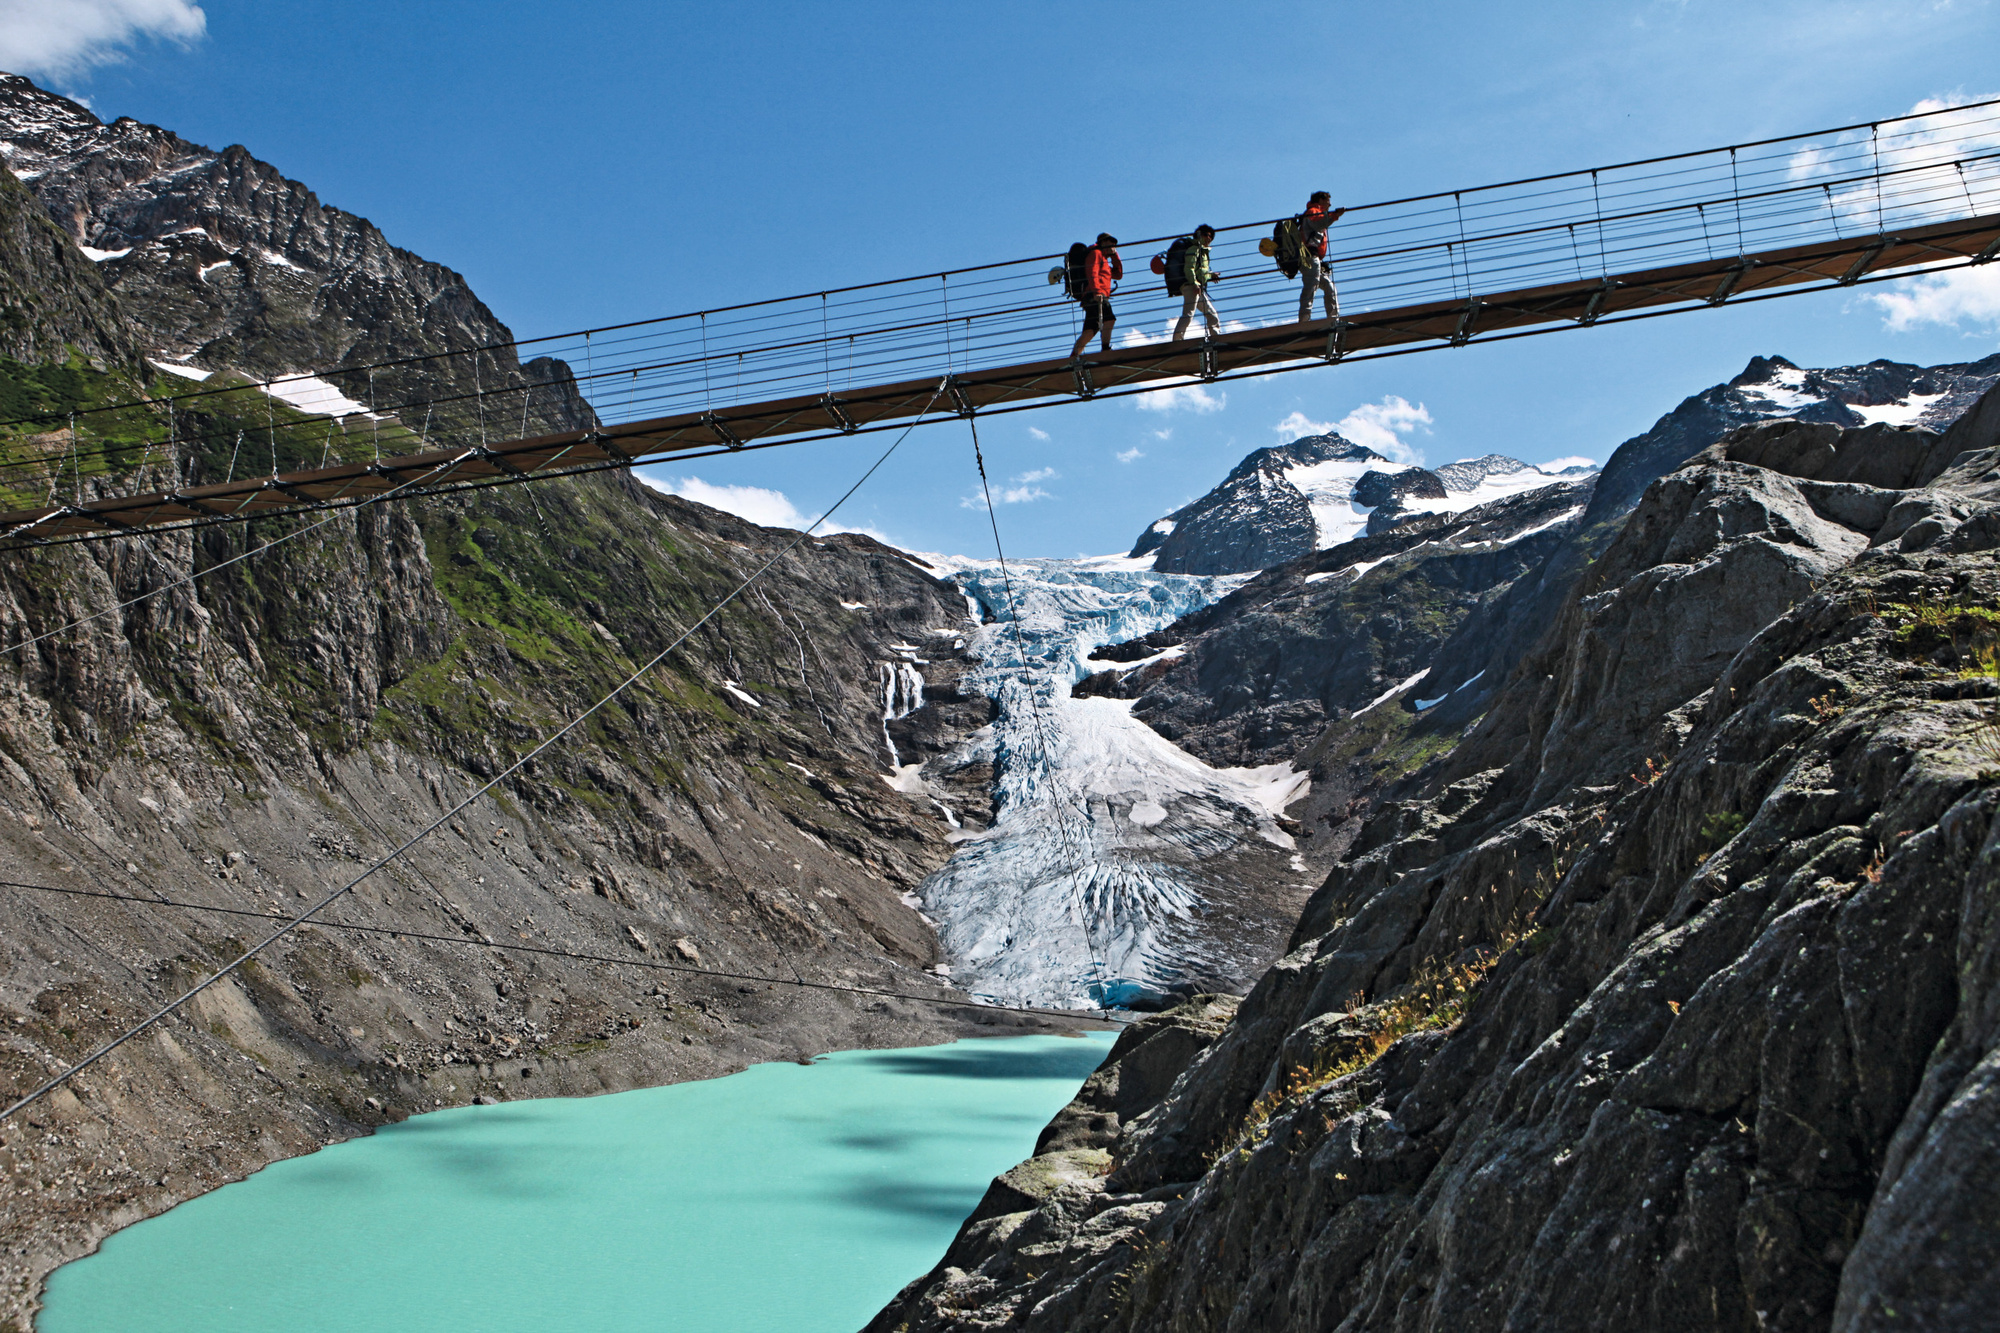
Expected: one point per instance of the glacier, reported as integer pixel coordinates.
(1115, 872)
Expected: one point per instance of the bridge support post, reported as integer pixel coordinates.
(720, 429)
(837, 410)
(1461, 335)
(1727, 286)
(959, 402)
(1597, 299)
(1085, 388)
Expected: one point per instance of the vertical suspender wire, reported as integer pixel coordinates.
(1832, 213)
(1597, 201)
(707, 396)
(75, 465)
(1736, 194)
(826, 342)
(945, 278)
(479, 398)
(233, 456)
(1464, 253)
(271, 426)
(374, 418)
(1098, 970)
(1875, 140)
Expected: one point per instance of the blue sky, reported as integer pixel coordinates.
(588, 163)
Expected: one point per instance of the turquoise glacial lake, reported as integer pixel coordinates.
(785, 1199)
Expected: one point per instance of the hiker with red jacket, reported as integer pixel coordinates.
(1314, 274)
(1101, 267)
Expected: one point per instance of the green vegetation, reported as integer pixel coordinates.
(1720, 826)
(1437, 997)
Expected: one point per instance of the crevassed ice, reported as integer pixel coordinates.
(1083, 888)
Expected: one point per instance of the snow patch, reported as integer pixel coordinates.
(1903, 413)
(730, 686)
(310, 393)
(1390, 693)
(184, 371)
(97, 256)
(854, 606)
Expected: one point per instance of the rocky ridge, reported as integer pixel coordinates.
(1317, 492)
(1666, 1001)
(218, 260)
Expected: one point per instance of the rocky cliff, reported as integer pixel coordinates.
(1666, 1002)
(1368, 661)
(638, 906)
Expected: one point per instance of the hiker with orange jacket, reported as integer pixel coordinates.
(1101, 268)
(1314, 273)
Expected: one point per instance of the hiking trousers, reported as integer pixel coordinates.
(1314, 275)
(1194, 296)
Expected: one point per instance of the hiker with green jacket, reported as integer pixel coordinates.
(1195, 277)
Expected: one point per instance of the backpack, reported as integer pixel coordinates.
(1176, 265)
(1076, 272)
(1285, 246)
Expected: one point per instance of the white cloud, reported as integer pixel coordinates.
(1378, 426)
(767, 508)
(1938, 159)
(1962, 296)
(1298, 425)
(1166, 434)
(1025, 493)
(1038, 433)
(1129, 455)
(1574, 460)
(64, 38)
(1188, 397)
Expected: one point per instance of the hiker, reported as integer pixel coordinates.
(1100, 267)
(1314, 274)
(1195, 277)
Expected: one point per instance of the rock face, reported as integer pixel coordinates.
(1280, 504)
(1666, 1002)
(46, 321)
(1255, 518)
(1770, 388)
(179, 777)
(1263, 671)
(218, 259)
(1440, 608)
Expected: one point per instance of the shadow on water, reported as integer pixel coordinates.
(988, 1060)
(938, 1205)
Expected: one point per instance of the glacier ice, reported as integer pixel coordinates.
(1097, 881)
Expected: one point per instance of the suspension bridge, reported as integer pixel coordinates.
(1837, 208)
(1856, 204)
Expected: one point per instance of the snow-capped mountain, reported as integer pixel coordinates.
(1770, 387)
(219, 260)
(1317, 492)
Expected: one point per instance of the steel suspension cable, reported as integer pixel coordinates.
(545, 951)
